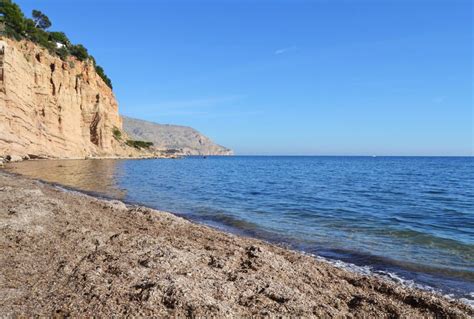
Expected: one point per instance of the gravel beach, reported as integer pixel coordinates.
(70, 254)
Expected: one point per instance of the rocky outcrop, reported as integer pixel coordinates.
(180, 140)
(55, 108)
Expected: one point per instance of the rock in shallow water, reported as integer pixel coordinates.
(14, 158)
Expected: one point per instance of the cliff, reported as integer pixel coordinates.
(55, 108)
(180, 140)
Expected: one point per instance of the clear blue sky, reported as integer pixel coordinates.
(288, 77)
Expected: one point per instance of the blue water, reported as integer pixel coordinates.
(411, 216)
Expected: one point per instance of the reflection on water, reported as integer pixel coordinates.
(95, 176)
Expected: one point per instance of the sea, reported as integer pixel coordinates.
(410, 219)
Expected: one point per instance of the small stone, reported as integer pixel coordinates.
(14, 158)
(115, 204)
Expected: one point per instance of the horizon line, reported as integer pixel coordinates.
(339, 155)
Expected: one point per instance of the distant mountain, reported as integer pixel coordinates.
(173, 138)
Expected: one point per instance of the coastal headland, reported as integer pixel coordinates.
(70, 254)
(56, 102)
(61, 108)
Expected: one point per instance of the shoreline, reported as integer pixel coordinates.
(8, 159)
(437, 280)
(339, 262)
(106, 257)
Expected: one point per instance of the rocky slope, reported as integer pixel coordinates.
(55, 108)
(173, 138)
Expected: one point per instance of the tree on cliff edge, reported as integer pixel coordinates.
(19, 27)
(41, 20)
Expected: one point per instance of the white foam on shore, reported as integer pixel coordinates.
(469, 301)
(65, 190)
(385, 275)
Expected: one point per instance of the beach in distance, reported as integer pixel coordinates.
(361, 214)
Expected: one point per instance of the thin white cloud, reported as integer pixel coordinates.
(284, 50)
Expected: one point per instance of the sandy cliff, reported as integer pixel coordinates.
(55, 108)
(182, 140)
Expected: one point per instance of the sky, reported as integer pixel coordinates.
(289, 77)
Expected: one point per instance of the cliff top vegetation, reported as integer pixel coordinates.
(36, 29)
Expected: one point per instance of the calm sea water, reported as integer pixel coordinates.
(409, 216)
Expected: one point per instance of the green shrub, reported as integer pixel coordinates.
(18, 27)
(63, 53)
(139, 144)
(101, 73)
(59, 37)
(15, 22)
(79, 51)
(42, 38)
(117, 133)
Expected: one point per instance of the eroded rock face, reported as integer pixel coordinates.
(55, 108)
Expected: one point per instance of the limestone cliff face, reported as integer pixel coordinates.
(55, 108)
